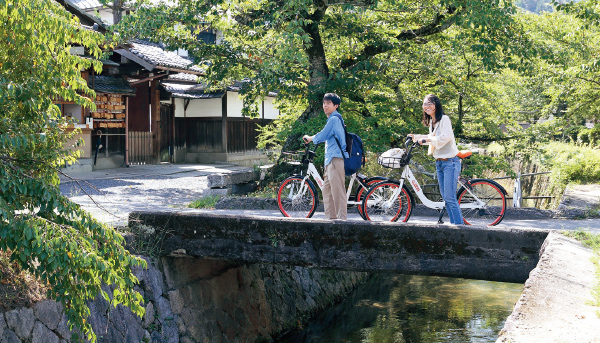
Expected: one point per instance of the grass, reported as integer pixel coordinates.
(146, 240)
(18, 288)
(591, 241)
(205, 202)
(265, 191)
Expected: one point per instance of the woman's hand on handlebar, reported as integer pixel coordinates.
(421, 139)
(307, 139)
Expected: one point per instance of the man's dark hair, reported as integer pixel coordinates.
(334, 98)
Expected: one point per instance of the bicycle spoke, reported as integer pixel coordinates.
(385, 202)
(296, 198)
(492, 200)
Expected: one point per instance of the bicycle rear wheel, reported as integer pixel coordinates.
(297, 198)
(492, 203)
(384, 202)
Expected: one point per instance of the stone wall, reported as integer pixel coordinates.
(474, 252)
(195, 300)
(218, 302)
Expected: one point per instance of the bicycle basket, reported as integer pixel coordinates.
(292, 158)
(393, 158)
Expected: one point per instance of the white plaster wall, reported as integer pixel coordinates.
(179, 106)
(204, 108)
(73, 110)
(270, 111)
(234, 105)
(106, 15)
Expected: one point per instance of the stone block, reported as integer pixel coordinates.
(21, 321)
(48, 312)
(63, 328)
(176, 301)
(149, 315)
(41, 334)
(2, 324)
(236, 177)
(151, 280)
(220, 192)
(10, 337)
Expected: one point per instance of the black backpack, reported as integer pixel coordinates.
(354, 147)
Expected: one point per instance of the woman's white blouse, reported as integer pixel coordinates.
(443, 144)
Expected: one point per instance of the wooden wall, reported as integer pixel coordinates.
(139, 110)
(205, 134)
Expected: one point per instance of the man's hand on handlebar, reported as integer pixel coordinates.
(307, 139)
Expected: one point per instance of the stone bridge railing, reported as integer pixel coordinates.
(496, 254)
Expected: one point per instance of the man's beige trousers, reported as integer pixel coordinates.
(334, 190)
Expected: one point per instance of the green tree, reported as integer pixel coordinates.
(369, 52)
(567, 42)
(46, 233)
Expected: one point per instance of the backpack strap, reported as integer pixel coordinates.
(345, 133)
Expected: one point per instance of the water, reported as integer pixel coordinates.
(394, 308)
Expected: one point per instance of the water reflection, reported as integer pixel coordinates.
(404, 308)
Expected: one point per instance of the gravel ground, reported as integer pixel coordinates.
(111, 195)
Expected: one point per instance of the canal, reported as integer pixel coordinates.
(407, 308)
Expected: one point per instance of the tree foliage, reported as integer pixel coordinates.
(47, 234)
(496, 67)
(381, 57)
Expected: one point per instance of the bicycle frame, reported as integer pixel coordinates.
(408, 175)
(312, 171)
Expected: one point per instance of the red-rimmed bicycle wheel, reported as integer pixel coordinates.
(362, 191)
(493, 205)
(297, 198)
(383, 203)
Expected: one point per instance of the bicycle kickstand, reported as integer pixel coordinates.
(443, 210)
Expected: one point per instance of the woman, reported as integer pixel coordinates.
(443, 148)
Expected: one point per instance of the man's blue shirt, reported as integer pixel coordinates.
(332, 129)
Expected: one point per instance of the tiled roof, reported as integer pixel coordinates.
(109, 84)
(189, 91)
(88, 4)
(156, 55)
(87, 20)
(237, 86)
(183, 77)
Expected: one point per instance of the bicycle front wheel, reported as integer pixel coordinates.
(362, 191)
(386, 202)
(297, 198)
(484, 204)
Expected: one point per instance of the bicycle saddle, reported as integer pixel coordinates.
(464, 154)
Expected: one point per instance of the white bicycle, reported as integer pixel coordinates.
(482, 201)
(297, 195)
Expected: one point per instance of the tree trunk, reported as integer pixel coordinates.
(318, 71)
(461, 115)
(117, 8)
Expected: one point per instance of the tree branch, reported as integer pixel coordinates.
(439, 23)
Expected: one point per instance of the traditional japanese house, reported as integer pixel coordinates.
(209, 127)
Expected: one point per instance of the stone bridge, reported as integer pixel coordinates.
(495, 254)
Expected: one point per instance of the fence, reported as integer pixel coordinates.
(140, 147)
(431, 190)
(518, 197)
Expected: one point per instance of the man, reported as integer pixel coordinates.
(334, 192)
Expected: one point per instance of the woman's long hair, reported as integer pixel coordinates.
(439, 112)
